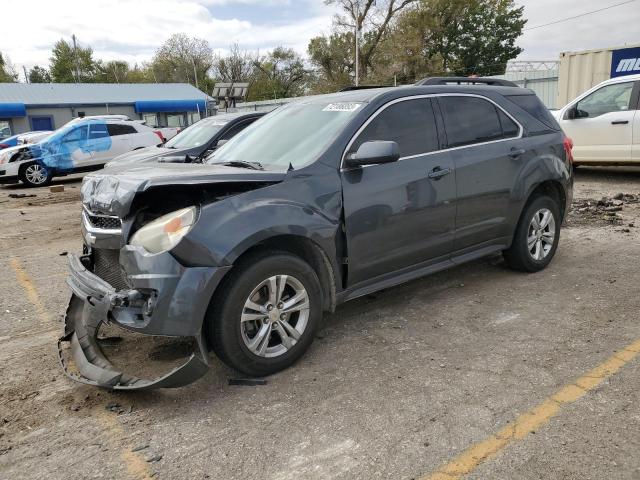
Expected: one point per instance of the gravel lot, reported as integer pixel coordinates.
(397, 384)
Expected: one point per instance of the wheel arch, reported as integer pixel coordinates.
(307, 250)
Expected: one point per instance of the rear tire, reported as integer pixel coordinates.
(536, 238)
(266, 313)
(34, 174)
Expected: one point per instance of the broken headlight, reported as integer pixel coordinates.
(165, 232)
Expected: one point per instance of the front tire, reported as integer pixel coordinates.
(537, 234)
(266, 314)
(34, 174)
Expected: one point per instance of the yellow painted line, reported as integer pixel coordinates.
(470, 459)
(137, 467)
(32, 294)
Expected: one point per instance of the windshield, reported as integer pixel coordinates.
(295, 134)
(197, 134)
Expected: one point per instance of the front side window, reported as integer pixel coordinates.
(610, 98)
(77, 134)
(295, 134)
(409, 123)
(469, 120)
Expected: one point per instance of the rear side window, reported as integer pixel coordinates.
(409, 123)
(509, 127)
(469, 120)
(120, 129)
(534, 107)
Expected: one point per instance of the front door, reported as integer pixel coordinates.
(396, 215)
(485, 145)
(602, 130)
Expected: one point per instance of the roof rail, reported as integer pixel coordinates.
(361, 87)
(494, 82)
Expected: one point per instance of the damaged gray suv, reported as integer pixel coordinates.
(321, 201)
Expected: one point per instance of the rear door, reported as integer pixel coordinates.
(602, 130)
(396, 215)
(487, 152)
(122, 140)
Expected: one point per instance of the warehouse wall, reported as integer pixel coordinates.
(62, 115)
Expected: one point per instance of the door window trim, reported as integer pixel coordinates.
(440, 150)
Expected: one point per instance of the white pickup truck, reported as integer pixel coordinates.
(604, 123)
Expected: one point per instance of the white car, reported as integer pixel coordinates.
(80, 145)
(604, 123)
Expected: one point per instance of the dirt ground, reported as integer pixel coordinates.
(397, 384)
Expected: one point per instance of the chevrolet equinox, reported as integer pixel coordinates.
(321, 201)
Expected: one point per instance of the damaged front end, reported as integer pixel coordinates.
(92, 301)
(156, 293)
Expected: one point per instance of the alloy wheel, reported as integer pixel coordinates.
(36, 174)
(275, 316)
(541, 234)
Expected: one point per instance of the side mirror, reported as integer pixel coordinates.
(374, 153)
(572, 113)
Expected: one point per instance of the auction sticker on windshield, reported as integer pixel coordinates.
(342, 107)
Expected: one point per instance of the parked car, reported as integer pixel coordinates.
(22, 138)
(192, 144)
(322, 201)
(80, 145)
(604, 123)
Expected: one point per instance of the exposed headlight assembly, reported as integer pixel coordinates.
(165, 232)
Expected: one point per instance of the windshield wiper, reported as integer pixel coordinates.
(243, 164)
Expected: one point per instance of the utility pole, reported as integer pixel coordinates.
(26, 77)
(357, 43)
(75, 57)
(195, 74)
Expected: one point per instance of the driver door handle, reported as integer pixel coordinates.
(620, 122)
(516, 152)
(437, 173)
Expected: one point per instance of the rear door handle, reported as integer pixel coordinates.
(620, 122)
(437, 173)
(517, 152)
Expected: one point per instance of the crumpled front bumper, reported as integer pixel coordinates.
(94, 301)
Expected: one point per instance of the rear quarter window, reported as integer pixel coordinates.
(534, 107)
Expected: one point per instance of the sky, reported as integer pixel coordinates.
(132, 30)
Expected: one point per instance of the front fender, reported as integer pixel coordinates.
(228, 228)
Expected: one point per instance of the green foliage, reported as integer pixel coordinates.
(39, 75)
(69, 65)
(333, 59)
(280, 74)
(470, 36)
(8, 73)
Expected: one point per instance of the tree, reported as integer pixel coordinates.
(370, 17)
(39, 75)
(8, 72)
(333, 60)
(237, 66)
(69, 65)
(280, 74)
(183, 59)
(468, 36)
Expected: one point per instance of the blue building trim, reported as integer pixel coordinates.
(12, 110)
(152, 106)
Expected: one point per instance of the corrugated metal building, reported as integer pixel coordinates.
(579, 71)
(47, 106)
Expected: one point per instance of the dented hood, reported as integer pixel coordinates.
(112, 191)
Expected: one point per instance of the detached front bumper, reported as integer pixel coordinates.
(161, 302)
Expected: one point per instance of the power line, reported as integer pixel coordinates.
(578, 16)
